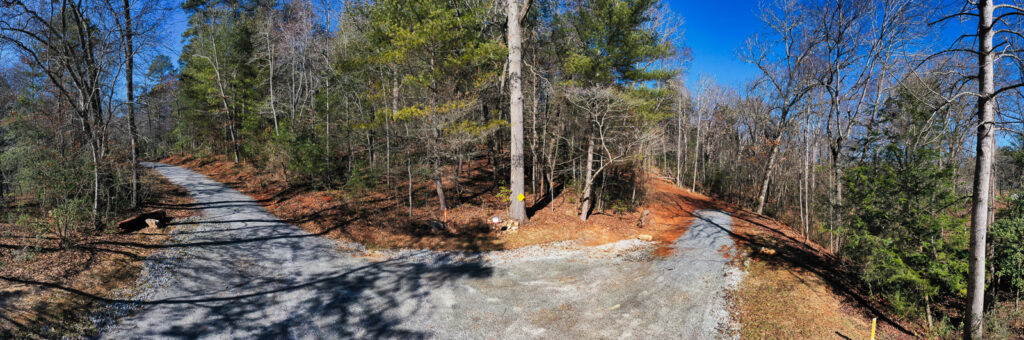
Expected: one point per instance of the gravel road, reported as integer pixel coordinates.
(240, 273)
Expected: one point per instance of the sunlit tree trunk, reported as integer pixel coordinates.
(982, 172)
(589, 184)
(762, 196)
(517, 206)
(133, 132)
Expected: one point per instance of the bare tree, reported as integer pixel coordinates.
(785, 74)
(74, 64)
(608, 132)
(997, 41)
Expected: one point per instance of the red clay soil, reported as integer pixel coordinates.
(380, 217)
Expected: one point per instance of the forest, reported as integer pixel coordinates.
(870, 129)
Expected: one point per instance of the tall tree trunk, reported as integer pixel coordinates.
(805, 205)
(327, 122)
(387, 129)
(982, 171)
(589, 184)
(533, 129)
(439, 185)
(95, 182)
(762, 195)
(517, 207)
(679, 144)
(270, 77)
(408, 169)
(696, 156)
(133, 132)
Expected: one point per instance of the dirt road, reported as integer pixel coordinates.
(242, 273)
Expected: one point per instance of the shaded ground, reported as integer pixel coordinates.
(245, 274)
(33, 264)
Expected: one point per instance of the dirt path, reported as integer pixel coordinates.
(242, 273)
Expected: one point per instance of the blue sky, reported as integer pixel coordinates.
(714, 30)
(712, 37)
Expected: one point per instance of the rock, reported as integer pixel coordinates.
(140, 222)
(436, 226)
(645, 237)
(767, 251)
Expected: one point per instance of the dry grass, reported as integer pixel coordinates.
(49, 292)
(776, 302)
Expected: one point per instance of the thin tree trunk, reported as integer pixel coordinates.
(762, 196)
(928, 310)
(408, 169)
(95, 182)
(133, 132)
(696, 158)
(387, 128)
(439, 186)
(805, 204)
(587, 187)
(679, 144)
(327, 122)
(982, 170)
(533, 128)
(270, 77)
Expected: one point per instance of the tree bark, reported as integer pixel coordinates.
(408, 169)
(762, 196)
(133, 132)
(589, 184)
(679, 143)
(270, 77)
(517, 206)
(696, 154)
(973, 326)
(387, 128)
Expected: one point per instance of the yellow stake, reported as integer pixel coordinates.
(874, 322)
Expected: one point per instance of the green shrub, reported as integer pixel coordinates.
(362, 177)
(1007, 244)
(68, 217)
(503, 194)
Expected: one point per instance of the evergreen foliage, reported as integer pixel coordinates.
(905, 236)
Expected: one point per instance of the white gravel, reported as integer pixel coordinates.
(242, 273)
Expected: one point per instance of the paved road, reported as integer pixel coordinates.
(243, 274)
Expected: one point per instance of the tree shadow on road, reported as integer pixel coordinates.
(366, 301)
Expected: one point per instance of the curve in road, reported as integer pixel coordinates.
(244, 274)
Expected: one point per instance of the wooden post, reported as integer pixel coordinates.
(874, 324)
